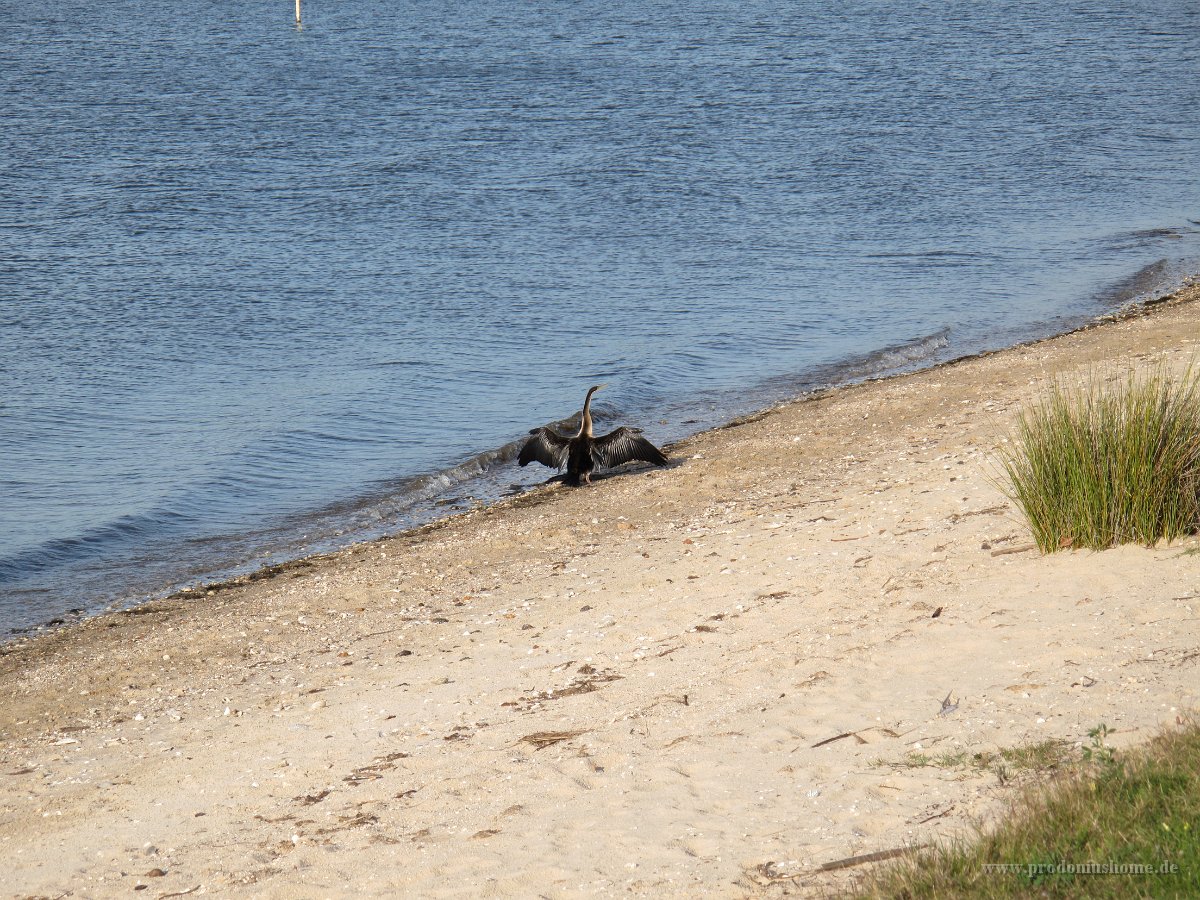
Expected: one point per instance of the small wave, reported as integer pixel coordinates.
(121, 531)
(1145, 281)
(1149, 233)
(888, 359)
(1145, 237)
(924, 254)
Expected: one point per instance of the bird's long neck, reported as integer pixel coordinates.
(585, 423)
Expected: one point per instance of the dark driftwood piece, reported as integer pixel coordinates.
(877, 856)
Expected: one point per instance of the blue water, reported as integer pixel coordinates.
(262, 288)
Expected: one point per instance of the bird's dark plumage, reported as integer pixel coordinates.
(583, 453)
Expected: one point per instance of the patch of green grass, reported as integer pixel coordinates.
(918, 760)
(1094, 466)
(1119, 826)
(1041, 757)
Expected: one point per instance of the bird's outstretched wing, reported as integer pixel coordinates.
(546, 446)
(625, 445)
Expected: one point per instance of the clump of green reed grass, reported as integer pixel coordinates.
(1119, 825)
(1093, 465)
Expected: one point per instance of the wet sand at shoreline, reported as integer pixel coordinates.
(707, 678)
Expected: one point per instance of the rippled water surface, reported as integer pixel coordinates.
(260, 285)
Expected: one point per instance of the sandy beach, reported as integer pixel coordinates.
(709, 678)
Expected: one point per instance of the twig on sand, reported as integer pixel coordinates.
(768, 873)
(1004, 551)
(191, 890)
(823, 500)
(938, 815)
(838, 737)
(543, 739)
(857, 735)
(877, 856)
(363, 637)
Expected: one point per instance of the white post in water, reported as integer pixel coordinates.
(297, 12)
